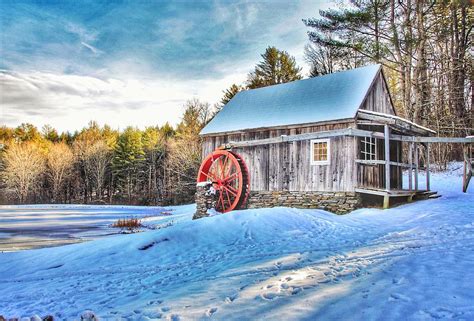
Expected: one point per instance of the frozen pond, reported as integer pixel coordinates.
(34, 226)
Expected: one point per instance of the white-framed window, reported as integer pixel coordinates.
(368, 148)
(320, 151)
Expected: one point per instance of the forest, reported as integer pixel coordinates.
(425, 48)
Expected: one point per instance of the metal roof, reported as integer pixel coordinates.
(329, 97)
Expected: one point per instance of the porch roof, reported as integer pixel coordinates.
(401, 124)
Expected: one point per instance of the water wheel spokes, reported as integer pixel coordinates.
(229, 177)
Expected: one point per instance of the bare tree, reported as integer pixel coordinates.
(60, 162)
(97, 160)
(24, 163)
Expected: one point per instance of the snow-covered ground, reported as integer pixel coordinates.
(412, 262)
(35, 226)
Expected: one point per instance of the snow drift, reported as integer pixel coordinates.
(410, 262)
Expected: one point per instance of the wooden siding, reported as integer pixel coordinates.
(378, 98)
(373, 176)
(286, 166)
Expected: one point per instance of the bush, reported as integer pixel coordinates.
(130, 224)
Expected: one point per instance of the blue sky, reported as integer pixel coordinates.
(134, 62)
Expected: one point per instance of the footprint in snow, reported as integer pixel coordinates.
(165, 309)
(211, 311)
(269, 296)
(296, 291)
(398, 281)
(398, 296)
(174, 317)
(231, 298)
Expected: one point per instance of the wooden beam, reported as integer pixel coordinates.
(416, 166)
(292, 138)
(387, 158)
(368, 123)
(410, 169)
(382, 192)
(398, 122)
(427, 146)
(459, 140)
(345, 132)
(380, 162)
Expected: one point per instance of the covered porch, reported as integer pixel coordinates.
(391, 133)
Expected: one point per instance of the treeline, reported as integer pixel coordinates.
(154, 166)
(157, 165)
(425, 48)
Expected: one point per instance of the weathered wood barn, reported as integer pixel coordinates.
(325, 142)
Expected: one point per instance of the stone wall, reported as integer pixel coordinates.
(336, 202)
(205, 199)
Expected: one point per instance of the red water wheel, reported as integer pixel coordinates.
(229, 176)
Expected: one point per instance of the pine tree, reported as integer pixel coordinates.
(277, 67)
(128, 160)
(230, 93)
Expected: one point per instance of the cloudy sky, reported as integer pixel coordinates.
(65, 63)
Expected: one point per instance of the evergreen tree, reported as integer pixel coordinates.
(153, 146)
(230, 93)
(49, 133)
(277, 67)
(128, 161)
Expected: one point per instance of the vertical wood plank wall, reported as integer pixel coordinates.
(378, 100)
(286, 166)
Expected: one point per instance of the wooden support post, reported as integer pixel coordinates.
(427, 166)
(410, 170)
(468, 164)
(386, 201)
(416, 167)
(387, 157)
(386, 198)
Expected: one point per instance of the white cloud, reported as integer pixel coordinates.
(69, 102)
(94, 50)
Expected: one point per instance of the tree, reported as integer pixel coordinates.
(98, 157)
(327, 60)
(83, 147)
(60, 162)
(50, 134)
(230, 93)
(184, 153)
(23, 166)
(128, 160)
(277, 67)
(27, 132)
(424, 49)
(153, 145)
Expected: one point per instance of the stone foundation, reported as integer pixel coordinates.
(205, 199)
(336, 202)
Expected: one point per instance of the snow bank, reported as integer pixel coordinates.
(410, 262)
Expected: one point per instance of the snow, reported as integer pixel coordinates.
(410, 262)
(297, 102)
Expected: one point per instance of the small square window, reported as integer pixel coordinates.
(368, 147)
(320, 152)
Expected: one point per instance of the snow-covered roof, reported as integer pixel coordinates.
(329, 97)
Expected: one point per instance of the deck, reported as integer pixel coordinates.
(410, 195)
